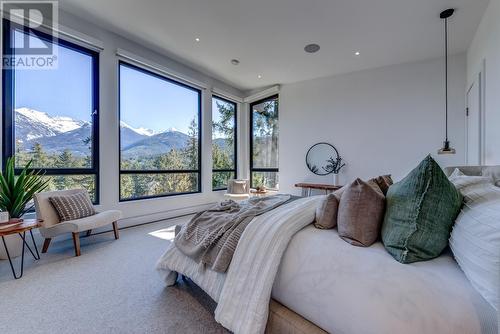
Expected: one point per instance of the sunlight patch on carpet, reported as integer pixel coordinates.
(166, 233)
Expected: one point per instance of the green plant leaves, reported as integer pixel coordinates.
(17, 192)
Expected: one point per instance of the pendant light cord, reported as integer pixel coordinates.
(446, 74)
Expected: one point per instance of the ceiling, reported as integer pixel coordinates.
(268, 36)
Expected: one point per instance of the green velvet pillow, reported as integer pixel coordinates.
(420, 213)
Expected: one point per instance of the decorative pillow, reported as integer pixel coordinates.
(71, 207)
(361, 211)
(475, 239)
(338, 193)
(383, 182)
(493, 172)
(460, 180)
(238, 187)
(326, 212)
(420, 213)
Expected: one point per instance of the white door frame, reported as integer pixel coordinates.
(480, 78)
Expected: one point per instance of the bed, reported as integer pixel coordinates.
(323, 284)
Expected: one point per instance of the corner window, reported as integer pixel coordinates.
(51, 115)
(264, 132)
(224, 153)
(160, 148)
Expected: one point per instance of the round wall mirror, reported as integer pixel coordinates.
(319, 157)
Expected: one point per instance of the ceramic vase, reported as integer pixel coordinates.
(336, 181)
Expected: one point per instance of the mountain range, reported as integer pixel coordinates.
(57, 133)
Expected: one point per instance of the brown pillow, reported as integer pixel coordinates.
(72, 207)
(383, 182)
(326, 212)
(361, 212)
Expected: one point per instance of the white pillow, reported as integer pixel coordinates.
(493, 172)
(460, 180)
(475, 239)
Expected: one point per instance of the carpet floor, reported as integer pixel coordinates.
(112, 287)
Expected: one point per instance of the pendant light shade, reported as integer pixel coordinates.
(446, 149)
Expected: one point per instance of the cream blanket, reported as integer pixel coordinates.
(243, 293)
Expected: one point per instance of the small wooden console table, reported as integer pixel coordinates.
(308, 187)
(20, 228)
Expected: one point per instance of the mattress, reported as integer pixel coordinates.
(347, 289)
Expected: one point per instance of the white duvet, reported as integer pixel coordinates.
(339, 287)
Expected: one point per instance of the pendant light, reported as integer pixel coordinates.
(446, 149)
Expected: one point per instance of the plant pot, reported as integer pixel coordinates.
(14, 244)
(4, 217)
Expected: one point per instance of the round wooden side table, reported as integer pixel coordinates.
(20, 228)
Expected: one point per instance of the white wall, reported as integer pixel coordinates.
(157, 208)
(382, 121)
(485, 47)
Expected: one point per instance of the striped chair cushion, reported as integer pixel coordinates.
(71, 207)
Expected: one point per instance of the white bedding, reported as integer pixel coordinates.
(343, 288)
(244, 300)
(347, 289)
(243, 294)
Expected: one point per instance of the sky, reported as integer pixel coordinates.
(62, 92)
(145, 101)
(150, 102)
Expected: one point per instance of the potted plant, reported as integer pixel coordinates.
(16, 192)
(334, 166)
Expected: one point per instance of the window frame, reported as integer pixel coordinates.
(144, 171)
(8, 102)
(252, 168)
(235, 144)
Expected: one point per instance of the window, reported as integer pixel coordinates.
(160, 147)
(264, 133)
(51, 115)
(223, 142)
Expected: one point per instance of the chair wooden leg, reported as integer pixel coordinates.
(46, 245)
(89, 232)
(76, 243)
(115, 230)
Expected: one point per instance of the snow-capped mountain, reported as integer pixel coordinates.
(141, 131)
(32, 124)
(157, 144)
(58, 133)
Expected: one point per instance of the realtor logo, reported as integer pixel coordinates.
(30, 36)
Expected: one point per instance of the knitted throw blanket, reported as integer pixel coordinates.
(211, 237)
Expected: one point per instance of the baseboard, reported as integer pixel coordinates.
(155, 217)
(141, 220)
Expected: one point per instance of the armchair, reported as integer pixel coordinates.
(52, 226)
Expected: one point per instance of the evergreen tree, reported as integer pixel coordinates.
(265, 149)
(225, 125)
(87, 161)
(40, 159)
(191, 150)
(223, 155)
(65, 160)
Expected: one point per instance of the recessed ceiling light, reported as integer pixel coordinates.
(197, 39)
(357, 53)
(311, 48)
(259, 76)
(235, 62)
